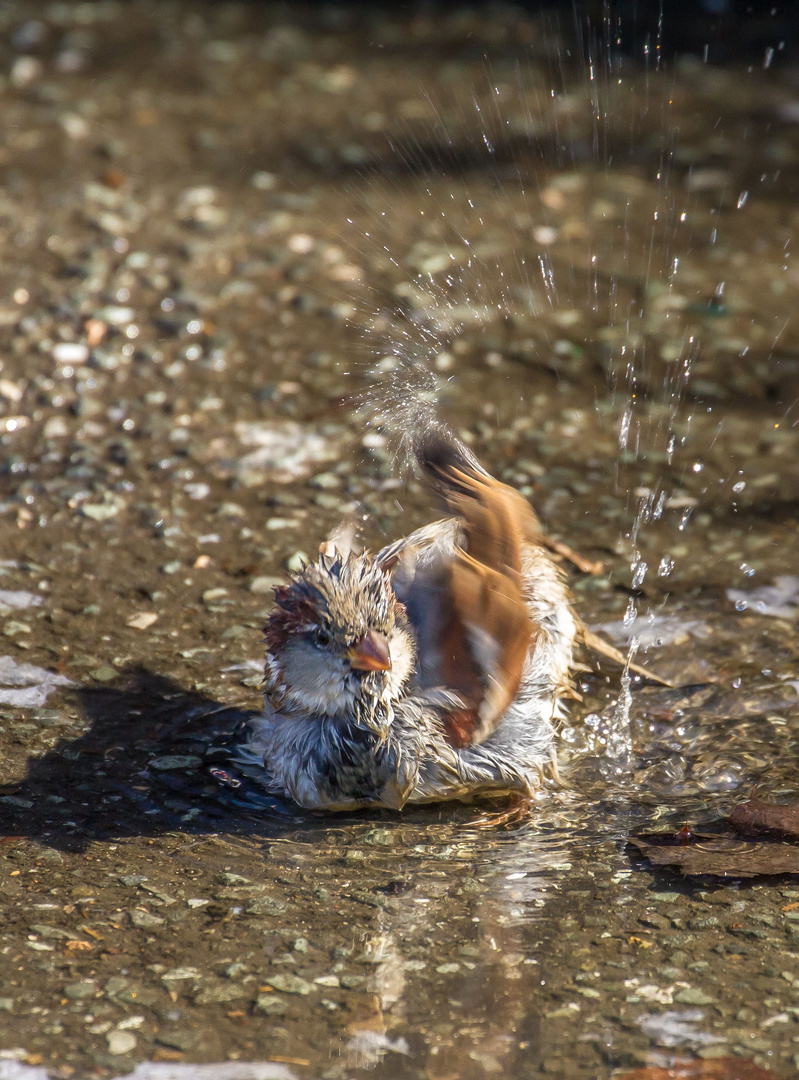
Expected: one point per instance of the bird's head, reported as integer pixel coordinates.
(337, 642)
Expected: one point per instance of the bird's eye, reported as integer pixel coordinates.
(321, 637)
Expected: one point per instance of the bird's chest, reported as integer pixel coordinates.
(357, 764)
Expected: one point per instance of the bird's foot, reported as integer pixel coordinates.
(515, 812)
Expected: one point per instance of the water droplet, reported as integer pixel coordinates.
(624, 427)
(738, 488)
(736, 684)
(665, 566)
(741, 605)
(742, 198)
(684, 518)
(631, 614)
(697, 466)
(639, 573)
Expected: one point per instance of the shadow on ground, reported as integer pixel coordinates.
(137, 771)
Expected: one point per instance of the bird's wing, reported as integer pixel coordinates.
(461, 581)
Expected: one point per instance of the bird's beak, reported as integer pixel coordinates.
(370, 653)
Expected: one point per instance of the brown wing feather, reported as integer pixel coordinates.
(488, 631)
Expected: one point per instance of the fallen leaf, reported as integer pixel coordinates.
(79, 945)
(756, 816)
(720, 856)
(725, 1068)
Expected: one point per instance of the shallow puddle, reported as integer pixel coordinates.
(221, 225)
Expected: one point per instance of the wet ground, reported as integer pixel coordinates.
(220, 224)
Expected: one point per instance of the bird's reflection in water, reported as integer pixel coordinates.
(454, 987)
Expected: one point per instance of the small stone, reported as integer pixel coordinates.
(218, 993)
(226, 878)
(289, 984)
(691, 996)
(130, 1023)
(104, 674)
(175, 761)
(265, 584)
(142, 620)
(78, 990)
(145, 920)
(120, 1042)
(25, 70)
(176, 974)
(263, 181)
(179, 1039)
(6, 1004)
(55, 428)
(325, 480)
(297, 561)
(327, 980)
(448, 969)
(211, 595)
(570, 1012)
(266, 905)
(270, 1004)
(100, 511)
(69, 352)
(658, 922)
(116, 316)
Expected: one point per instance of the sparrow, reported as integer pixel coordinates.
(432, 670)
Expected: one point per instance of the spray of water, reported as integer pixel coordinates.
(567, 245)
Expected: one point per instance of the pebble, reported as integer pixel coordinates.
(55, 428)
(265, 584)
(145, 920)
(67, 352)
(270, 1004)
(120, 1042)
(266, 905)
(142, 620)
(217, 993)
(100, 511)
(175, 761)
(180, 973)
(297, 561)
(25, 70)
(76, 991)
(691, 996)
(289, 984)
(116, 316)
